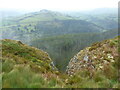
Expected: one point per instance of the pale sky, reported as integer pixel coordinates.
(57, 4)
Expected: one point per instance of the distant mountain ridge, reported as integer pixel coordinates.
(107, 19)
(42, 15)
(104, 17)
(45, 22)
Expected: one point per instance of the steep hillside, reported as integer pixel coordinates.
(26, 67)
(67, 45)
(99, 62)
(45, 28)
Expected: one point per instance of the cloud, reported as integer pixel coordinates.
(57, 4)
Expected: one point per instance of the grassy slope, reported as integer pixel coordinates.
(28, 67)
(101, 69)
(40, 16)
(43, 17)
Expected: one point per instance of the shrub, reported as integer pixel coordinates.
(52, 82)
(105, 83)
(98, 76)
(7, 65)
(110, 72)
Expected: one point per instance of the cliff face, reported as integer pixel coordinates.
(101, 56)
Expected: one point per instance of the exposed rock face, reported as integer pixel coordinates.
(94, 58)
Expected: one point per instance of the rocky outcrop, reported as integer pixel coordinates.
(94, 58)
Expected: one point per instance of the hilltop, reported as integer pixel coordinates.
(44, 23)
(34, 17)
(42, 15)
